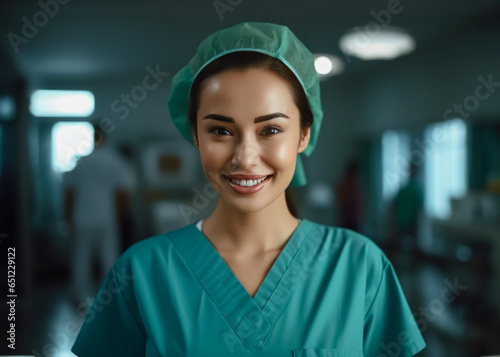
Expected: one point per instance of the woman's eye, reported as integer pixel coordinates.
(271, 130)
(220, 131)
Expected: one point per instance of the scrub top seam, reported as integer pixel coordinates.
(273, 318)
(214, 300)
(278, 284)
(299, 250)
(227, 317)
(418, 347)
(141, 326)
(257, 299)
(193, 270)
(386, 264)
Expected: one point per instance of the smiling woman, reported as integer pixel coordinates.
(251, 279)
(249, 84)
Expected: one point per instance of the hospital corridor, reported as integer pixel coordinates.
(93, 162)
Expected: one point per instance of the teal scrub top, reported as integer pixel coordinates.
(330, 292)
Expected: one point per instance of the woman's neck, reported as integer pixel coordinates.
(250, 233)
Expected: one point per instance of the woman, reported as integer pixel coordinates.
(251, 279)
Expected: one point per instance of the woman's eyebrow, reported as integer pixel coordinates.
(257, 120)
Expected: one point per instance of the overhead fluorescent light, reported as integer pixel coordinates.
(62, 103)
(327, 65)
(386, 43)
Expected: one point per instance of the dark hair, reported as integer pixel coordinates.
(242, 61)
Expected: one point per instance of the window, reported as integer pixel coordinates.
(445, 166)
(70, 141)
(395, 162)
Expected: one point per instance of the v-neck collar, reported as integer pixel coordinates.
(251, 318)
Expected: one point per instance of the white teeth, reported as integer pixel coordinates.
(248, 183)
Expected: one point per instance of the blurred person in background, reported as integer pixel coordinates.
(96, 202)
(407, 207)
(348, 193)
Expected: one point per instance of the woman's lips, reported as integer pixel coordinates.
(246, 189)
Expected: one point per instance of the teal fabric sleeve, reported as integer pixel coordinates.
(112, 326)
(390, 328)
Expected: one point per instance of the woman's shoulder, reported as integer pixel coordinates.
(348, 242)
(155, 246)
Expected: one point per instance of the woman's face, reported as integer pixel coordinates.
(248, 131)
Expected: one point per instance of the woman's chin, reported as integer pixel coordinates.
(246, 204)
(245, 207)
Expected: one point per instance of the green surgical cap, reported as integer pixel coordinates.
(271, 39)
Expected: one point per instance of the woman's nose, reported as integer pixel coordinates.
(246, 154)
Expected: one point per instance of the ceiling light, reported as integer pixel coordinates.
(327, 65)
(384, 43)
(62, 103)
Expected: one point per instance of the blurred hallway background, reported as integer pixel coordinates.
(408, 154)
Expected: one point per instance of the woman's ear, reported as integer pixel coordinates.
(195, 139)
(304, 139)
